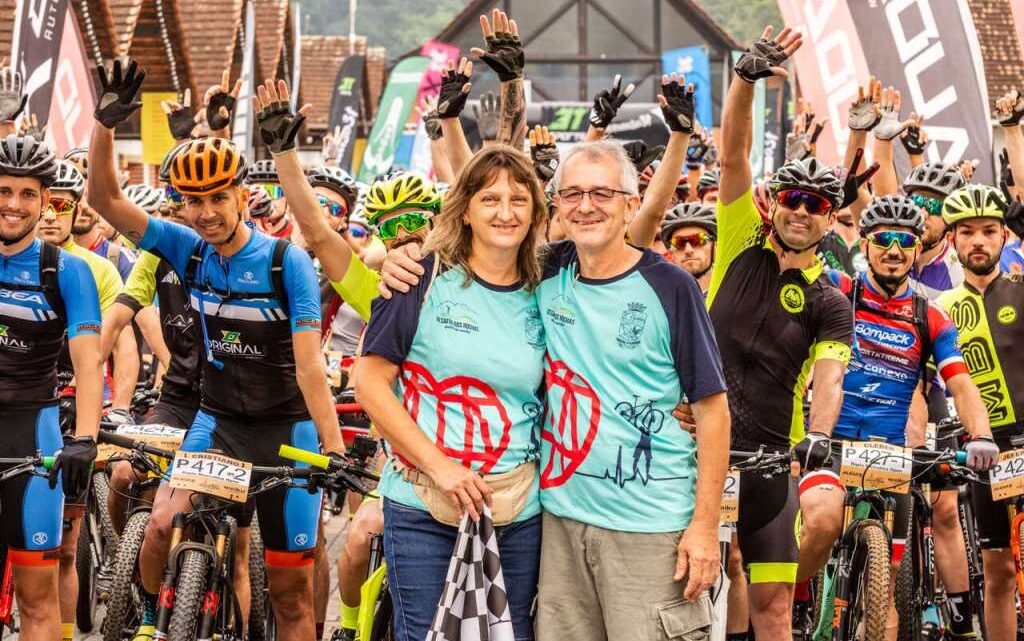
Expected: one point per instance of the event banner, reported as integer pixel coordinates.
(694, 64)
(345, 101)
(395, 106)
(74, 97)
(439, 54)
(908, 44)
(35, 50)
(157, 138)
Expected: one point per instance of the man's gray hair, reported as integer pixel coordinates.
(607, 148)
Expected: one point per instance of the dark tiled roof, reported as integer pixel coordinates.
(211, 27)
(322, 56)
(1000, 48)
(272, 18)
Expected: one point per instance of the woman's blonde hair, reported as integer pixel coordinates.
(452, 240)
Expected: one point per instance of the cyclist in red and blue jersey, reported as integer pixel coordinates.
(45, 294)
(896, 331)
(258, 308)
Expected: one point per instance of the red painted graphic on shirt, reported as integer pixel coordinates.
(479, 404)
(580, 408)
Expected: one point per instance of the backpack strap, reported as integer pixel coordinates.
(192, 267)
(49, 262)
(277, 273)
(923, 331)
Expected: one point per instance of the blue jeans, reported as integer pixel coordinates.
(418, 550)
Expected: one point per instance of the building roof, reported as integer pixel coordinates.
(125, 13)
(211, 28)
(272, 16)
(157, 41)
(322, 56)
(1000, 48)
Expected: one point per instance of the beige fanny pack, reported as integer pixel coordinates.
(511, 490)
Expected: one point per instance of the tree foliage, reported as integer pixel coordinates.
(744, 19)
(398, 25)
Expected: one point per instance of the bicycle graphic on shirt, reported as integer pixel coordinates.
(648, 420)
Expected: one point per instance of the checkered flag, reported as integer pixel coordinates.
(474, 603)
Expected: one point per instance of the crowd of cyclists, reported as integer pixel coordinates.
(572, 346)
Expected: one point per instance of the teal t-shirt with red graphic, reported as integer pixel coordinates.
(471, 359)
(622, 354)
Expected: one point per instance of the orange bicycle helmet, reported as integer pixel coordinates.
(207, 165)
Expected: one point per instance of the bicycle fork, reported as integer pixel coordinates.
(165, 598)
(211, 601)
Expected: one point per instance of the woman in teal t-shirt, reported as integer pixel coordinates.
(451, 375)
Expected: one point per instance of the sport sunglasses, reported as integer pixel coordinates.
(411, 222)
(62, 206)
(932, 205)
(335, 210)
(357, 231)
(812, 202)
(273, 190)
(173, 196)
(885, 239)
(695, 240)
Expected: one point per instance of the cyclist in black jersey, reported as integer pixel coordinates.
(988, 311)
(45, 295)
(775, 316)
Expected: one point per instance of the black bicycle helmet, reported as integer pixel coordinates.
(26, 156)
(708, 182)
(69, 179)
(898, 211)
(934, 176)
(811, 175)
(262, 171)
(688, 215)
(165, 167)
(337, 180)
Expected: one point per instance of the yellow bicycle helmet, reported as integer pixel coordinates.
(206, 165)
(407, 189)
(973, 201)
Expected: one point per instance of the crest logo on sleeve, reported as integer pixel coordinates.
(631, 325)
(792, 299)
(574, 413)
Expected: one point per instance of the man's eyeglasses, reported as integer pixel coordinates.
(932, 205)
(600, 196)
(62, 206)
(335, 210)
(273, 190)
(885, 239)
(694, 240)
(357, 231)
(411, 222)
(814, 203)
(173, 197)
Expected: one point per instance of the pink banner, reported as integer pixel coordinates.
(439, 54)
(71, 111)
(1017, 9)
(830, 65)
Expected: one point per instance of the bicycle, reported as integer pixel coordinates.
(769, 464)
(853, 588)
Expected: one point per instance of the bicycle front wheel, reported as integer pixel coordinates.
(868, 609)
(188, 596)
(124, 607)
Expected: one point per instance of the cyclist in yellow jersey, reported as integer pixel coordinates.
(55, 228)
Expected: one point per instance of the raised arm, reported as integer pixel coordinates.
(888, 128)
(915, 140)
(451, 100)
(504, 54)
(118, 100)
(1009, 110)
(438, 149)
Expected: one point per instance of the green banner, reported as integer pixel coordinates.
(395, 106)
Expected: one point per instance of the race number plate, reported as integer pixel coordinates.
(163, 436)
(876, 466)
(212, 474)
(334, 359)
(731, 498)
(1007, 477)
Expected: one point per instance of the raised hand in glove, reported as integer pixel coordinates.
(119, 91)
(74, 460)
(812, 452)
(488, 116)
(543, 152)
(765, 57)
(699, 147)
(180, 118)
(12, 95)
(1010, 108)
(455, 85)
(607, 102)
(220, 102)
(914, 138)
(503, 51)
(854, 181)
(864, 112)
(431, 121)
(982, 453)
(277, 125)
(677, 104)
(890, 126)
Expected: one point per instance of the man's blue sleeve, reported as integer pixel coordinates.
(81, 300)
(171, 241)
(303, 289)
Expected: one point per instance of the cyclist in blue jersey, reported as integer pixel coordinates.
(896, 332)
(258, 308)
(45, 294)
